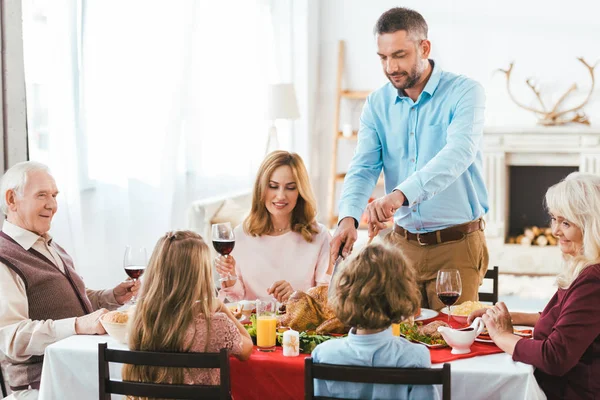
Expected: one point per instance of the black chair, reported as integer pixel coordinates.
(2, 385)
(493, 296)
(400, 376)
(160, 359)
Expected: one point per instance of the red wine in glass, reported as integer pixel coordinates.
(135, 271)
(134, 263)
(448, 298)
(224, 247)
(448, 287)
(223, 241)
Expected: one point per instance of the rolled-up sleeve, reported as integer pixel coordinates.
(364, 170)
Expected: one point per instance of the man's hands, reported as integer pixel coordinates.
(344, 234)
(90, 324)
(281, 290)
(380, 210)
(125, 290)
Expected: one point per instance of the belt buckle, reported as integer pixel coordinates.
(419, 240)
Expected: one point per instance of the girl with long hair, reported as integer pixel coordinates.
(280, 247)
(177, 312)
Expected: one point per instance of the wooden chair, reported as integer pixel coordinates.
(2, 384)
(493, 296)
(160, 359)
(400, 376)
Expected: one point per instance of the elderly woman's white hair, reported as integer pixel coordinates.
(15, 179)
(577, 199)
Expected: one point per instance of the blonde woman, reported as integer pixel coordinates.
(565, 349)
(177, 312)
(280, 247)
(372, 291)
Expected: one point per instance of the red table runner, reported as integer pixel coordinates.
(271, 375)
(477, 348)
(268, 376)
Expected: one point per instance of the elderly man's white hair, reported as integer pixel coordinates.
(16, 178)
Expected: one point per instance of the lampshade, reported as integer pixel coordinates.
(282, 102)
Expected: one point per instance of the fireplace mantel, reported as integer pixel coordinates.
(575, 146)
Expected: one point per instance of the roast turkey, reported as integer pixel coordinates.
(309, 312)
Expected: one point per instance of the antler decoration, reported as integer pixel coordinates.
(555, 116)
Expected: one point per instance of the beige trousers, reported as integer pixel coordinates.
(469, 255)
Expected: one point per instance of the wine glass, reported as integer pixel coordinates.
(134, 262)
(448, 287)
(223, 241)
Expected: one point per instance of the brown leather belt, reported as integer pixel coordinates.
(450, 234)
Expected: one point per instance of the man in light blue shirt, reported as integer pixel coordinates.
(424, 129)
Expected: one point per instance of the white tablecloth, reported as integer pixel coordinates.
(71, 372)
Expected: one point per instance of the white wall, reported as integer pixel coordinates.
(470, 37)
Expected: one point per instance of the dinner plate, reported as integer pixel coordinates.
(518, 327)
(523, 327)
(426, 313)
(431, 346)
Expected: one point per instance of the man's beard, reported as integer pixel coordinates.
(411, 79)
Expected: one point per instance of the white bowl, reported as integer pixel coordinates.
(461, 319)
(115, 330)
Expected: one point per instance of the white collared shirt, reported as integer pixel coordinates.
(20, 337)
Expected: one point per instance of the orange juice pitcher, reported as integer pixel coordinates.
(266, 324)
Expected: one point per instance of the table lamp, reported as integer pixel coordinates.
(281, 105)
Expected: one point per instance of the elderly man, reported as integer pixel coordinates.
(43, 298)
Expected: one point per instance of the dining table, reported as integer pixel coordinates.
(70, 372)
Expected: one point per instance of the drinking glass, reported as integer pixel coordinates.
(134, 263)
(448, 287)
(266, 324)
(223, 241)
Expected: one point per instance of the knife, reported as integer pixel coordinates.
(337, 261)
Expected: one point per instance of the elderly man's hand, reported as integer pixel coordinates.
(90, 324)
(125, 290)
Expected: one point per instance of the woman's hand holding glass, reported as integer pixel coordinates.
(226, 269)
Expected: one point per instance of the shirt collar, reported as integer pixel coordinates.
(430, 86)
(370, 339)
(26, 239)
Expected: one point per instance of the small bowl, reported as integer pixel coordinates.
(117, 331)
(461, 319)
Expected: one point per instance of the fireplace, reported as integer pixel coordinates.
(527, 187)
(520, 164)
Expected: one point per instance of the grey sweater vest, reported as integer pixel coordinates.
(51, 294)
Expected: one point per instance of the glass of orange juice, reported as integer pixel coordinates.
(266, 324)
(396, 329)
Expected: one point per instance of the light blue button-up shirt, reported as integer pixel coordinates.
(376, 350)
(429, 149)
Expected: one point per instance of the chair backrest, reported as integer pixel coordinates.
(491, 297)
(395, 376)
(2, 384)
(160, 359)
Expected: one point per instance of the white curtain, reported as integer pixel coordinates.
(150, 105)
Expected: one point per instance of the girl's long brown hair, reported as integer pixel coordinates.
(304, 214)
(178, 286)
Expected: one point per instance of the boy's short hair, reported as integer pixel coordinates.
(375, 289)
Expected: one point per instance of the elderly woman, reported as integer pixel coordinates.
(565, 348)
(280, 247)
